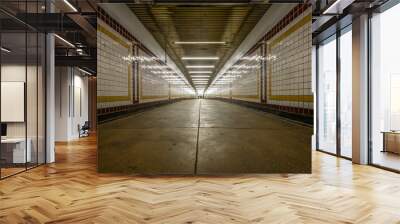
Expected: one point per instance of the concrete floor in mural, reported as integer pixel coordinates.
(203, 137)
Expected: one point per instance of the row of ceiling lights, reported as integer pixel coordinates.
(200, 78)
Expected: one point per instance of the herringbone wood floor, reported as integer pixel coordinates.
(70, 191)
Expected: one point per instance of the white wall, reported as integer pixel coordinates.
(70, 83)
(61, 104)
(16, 73)
(78, 118)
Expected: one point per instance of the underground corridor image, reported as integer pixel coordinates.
(200, 111)
(204, 89)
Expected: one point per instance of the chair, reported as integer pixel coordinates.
(84, 130)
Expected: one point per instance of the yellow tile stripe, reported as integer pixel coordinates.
(112, 35)
(305, 20)
(295, 98)
(104, 99)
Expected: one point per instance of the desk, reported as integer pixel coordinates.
(391, 141)
(14, 150)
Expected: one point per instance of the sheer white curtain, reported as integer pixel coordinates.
(346, 94)
(327, 96)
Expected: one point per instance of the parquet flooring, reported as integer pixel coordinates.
(71, 191)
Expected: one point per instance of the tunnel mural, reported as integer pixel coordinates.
(170, 99)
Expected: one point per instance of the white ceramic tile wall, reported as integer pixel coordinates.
(179, 92)
(247, 86)
(220, 91)
(291, 70)
(152, 86)
(112, 69)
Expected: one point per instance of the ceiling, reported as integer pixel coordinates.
(227, 23)
(74, 24)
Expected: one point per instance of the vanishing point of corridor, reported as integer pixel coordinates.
(204, 137)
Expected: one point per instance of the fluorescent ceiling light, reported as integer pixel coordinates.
(200, 66)
(84, 71)
(200, 72)
(5, 50)
(200, 42)
(70, 5)
(200, 58)
(337, 7)
(65, 41)
(200, 76)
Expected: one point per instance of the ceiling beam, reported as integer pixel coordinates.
(88, 28)
(78, 61)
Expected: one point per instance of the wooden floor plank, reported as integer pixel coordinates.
(71, 191)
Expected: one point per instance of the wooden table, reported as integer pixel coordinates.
(13, 150)
(391, 141)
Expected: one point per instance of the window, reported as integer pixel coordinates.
(22, 77)
(346, 92)
(327, 96)
(385, 89)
